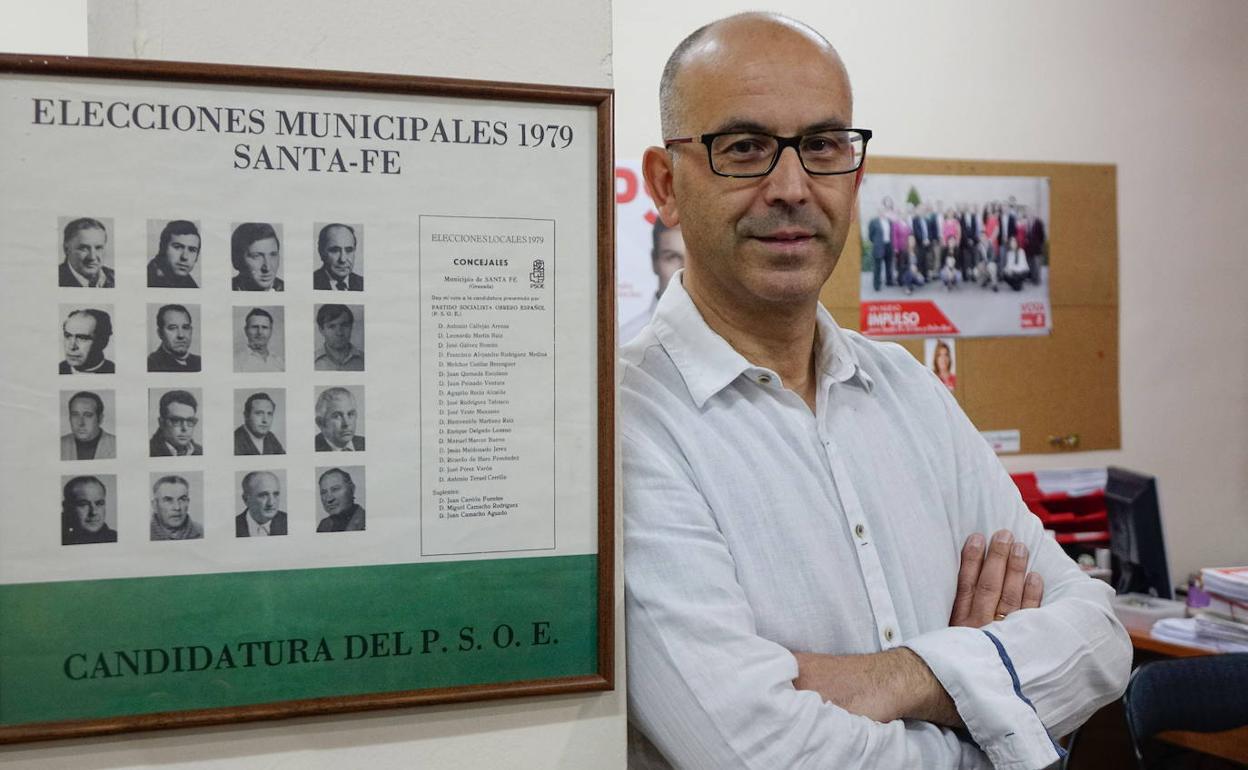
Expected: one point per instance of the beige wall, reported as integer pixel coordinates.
(471, 38)
(1154, 86)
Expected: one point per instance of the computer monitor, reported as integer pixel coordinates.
(1136, 541)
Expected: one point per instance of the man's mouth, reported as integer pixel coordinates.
(786, 236)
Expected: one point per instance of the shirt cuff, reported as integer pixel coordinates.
(975, 669)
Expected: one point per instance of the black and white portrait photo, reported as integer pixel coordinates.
(177, 506)
(340, 490)
(340, 338)
(174, 246)
(263, 427)
(174, 419)
(87, 335)
(262, 501)
(87, 253)
(256, 255)
(86, 417)
(171, 338)
(88, 509)
(340, 419)
(259, 338)
(340, 257)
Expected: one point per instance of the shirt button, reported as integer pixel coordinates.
(888, 634)
(859, 531)
(764, 378)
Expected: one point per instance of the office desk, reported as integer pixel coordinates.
(1230, 744)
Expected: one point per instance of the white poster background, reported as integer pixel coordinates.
(635, 213)
(131, 176)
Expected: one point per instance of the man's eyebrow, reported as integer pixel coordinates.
(746, 125)
(740, 124)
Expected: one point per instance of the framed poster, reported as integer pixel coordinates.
(317, 368)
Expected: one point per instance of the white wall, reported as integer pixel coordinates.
(51, 26)
(1154, 86)
(470, 38)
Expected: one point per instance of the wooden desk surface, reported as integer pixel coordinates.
(1141, 640)
(1230, 744)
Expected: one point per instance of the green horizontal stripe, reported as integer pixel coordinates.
(105, 648)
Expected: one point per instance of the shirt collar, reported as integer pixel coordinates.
(85, 281)
(354, 353)
(177, 451)
(708, 364)
(255, 528)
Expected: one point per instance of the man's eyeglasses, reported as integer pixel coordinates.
(743, 154)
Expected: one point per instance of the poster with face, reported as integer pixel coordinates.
(648, 252)
(939, 356)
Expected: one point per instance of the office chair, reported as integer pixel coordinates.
(1207, 694)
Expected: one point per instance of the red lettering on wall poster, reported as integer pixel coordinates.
(629, 178)
(896, 319)
(1032, 315)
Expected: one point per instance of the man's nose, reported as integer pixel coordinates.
(788, 182)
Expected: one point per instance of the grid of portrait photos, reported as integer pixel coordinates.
(181, 379)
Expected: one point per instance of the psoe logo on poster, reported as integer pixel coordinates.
(1032, 315)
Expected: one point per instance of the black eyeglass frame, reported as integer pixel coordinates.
(782, 142)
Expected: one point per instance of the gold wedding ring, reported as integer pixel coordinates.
(998, 616)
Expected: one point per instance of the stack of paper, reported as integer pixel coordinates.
(1075, 482)
(1215, 627)
(1227, 582)
(1186, 631)
(1227, 592)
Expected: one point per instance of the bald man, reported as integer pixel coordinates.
(826, 565)
(263, 515)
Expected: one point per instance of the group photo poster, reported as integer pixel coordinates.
(954, 256)
(309, 404)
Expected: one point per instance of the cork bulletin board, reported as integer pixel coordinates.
(1060, 391)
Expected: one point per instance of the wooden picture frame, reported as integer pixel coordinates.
(392, 629)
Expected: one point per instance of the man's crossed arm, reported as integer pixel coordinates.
(896, 683)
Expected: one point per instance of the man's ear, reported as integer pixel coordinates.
(656, 168)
